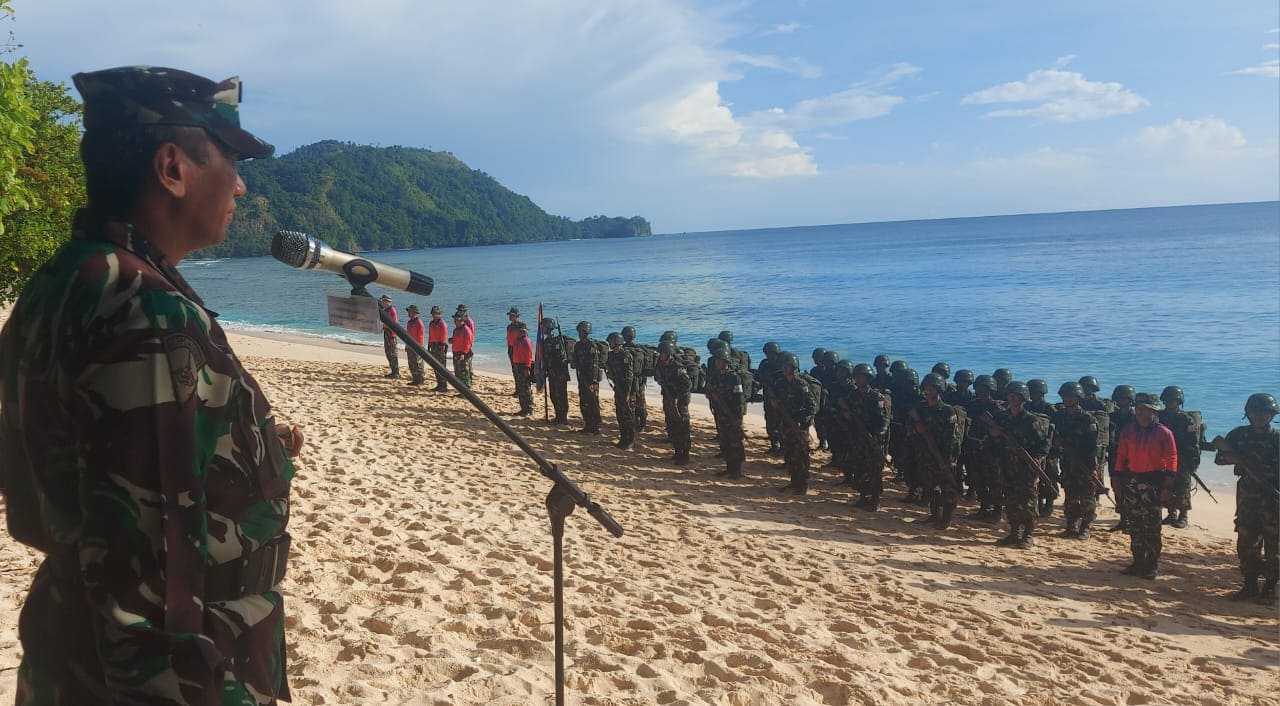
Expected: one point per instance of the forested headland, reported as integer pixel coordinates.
(361, 198)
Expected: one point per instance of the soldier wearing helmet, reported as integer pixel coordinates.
(1020, 427)
(645, 358)
(620, 367)
(824, 370)
(981, 466)
(724, 391)
(1119, 418)
(1002, 377)
(770, 376)
(905, 395)
(589, 357)
(1146, 460)
(883, 377)
(837, 421)
(674, 381)
(1254, 449)
(1188, 433)
(798, 401)
(959, 393)
(1091, 401)
(556, 359)
(870, 432)
(1038, 389)
(1076, 440)
(934, 450)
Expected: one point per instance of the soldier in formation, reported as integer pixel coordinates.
(620, 367)
(588, 362)
(556, 360)
(1254, 450)
(672, 377)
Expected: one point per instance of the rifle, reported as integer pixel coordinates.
(933, 446)
(868, 439)
(1244, 463)
(1203, 487)
(1017, 448)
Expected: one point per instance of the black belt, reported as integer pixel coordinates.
(254, 573)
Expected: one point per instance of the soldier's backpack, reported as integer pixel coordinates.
(693, 366)
(646, 359)
(962, 428)
(1102, 419)
(814, 387)
(754, 392)
(602, 352)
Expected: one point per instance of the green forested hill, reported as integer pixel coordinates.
(356, 197)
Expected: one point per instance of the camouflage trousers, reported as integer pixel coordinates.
(622, 412)
(462, 367)
(731, 442)
(1019, 483)
(1183, 484)
(1053, 469)
(980, 471)
(676, 410)
(1142, 509)
(795, 455)
(438, 351)
(524, 387)
(390, 346)
(558, 388)
(639, 406)
(589, 400)
(1257, 531)
(868, 473)
(1081, 502)
(772, 422)
(415, 366)
(944, 487)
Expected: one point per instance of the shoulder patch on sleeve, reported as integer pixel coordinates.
(186, 358)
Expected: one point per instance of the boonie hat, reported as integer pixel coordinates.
(435, 310)
(513, 312)
(385, 298)
(412, 308)
(154, 95)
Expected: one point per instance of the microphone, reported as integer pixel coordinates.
(307, 252)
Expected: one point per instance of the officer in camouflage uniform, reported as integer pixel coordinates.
(823, 370)
(1076, 441)
(1256, 456)
(796, 407)
(620, 367)
(1187, 433)
(870, 435)
(718, 411)
(1119, 418)
(838, 423)
(1020, 427)
(556, 357)
(724, 388)
(1048, 492)
(675, 384)
(934, 427)
(135, 450)
(586, 361)
(390, 344)
(741, 359)
(912, 469)
(980, 463)
(639, 406)
(770, 376)
(1146, 459)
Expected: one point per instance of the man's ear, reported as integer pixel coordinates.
(171, 168)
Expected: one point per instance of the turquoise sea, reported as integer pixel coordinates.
(1149, 297)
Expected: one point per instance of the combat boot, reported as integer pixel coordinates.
(944, 521)
(1132, 569)
(774, 448)
(873, 503)
(1009, 539)
(935, 513)
(1248, 590)
(1181, 522)
(1046, 507)
(735, 471)
(1024, 537)
(1072, 530)
(1083, 532)
(1148, 569)
(1120, 526)
(1171, 518)
(1268, 594)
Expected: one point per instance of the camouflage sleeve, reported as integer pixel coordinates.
(144, 544)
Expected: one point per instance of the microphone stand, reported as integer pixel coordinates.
(564, 495)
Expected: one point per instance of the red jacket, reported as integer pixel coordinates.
(415, 328)
(463, 337)
(437, 331)
(1146, 450)
(522, 352)
(394, 316)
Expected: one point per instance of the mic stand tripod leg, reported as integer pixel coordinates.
(559, 506)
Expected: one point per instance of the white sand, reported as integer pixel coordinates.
(423, 556)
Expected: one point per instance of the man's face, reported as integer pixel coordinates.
(1260, 419)
(789, 372)
(210, 199)
(1124, 404)
(931, 394)
(1144, 415)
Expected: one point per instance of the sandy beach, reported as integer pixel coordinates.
(422, 574)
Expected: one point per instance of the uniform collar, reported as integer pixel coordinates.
(91, 226)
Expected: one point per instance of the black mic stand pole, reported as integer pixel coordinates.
(564, 495)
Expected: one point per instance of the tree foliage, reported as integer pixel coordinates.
(361, 198)
(16, 133)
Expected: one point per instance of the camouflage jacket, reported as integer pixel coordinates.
(141, 458)
(1076, 433)
(725, 390)
(621, 369)
(940, 424)
(556, 355)
(872, 408)
(672, 377)
(1186, 436)
(798, 405)
(586, 359)
(1260, 447)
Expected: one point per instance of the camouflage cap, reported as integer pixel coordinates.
(412, 308)
(154, 95)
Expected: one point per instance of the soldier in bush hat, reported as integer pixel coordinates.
(140, 403)
(390, 345)
(513, 330)
(1146, 460)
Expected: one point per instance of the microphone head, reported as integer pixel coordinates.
(292, 248)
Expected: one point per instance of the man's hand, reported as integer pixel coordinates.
(291, 437)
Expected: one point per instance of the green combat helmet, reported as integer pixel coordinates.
(1172, 392)
(935, 381)
(1002, 376)
(863, 369)
(667, 347)
(847, 366)
(1090, 384)
(628, 333)
(726, 336)
(817, 355)
(1017, 388)
(772, 348)
(1148, 400)
(985, 381)
(669, 336)
(964, 377)
(548, 324)
(614, 339)
(1261, 402)
(942, 369)
(881, 360)
(715, 344)
(789, 360)
(1123, 392)
(584, 327)
(720, 353)
(911, 376)
(897, 367)
(1037, 386)
(1071, 389)
(830, 357)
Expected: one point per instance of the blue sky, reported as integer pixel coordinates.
(704, 116)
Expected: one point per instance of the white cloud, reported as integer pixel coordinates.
(863, 101)
(1270, 69)
(1045, 159)
(790, 64)
(1062, 97)
(787, 28)
(1196, 137)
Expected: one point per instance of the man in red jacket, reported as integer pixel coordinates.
(1146, 461)
(438, 344)
(417, 331)
(522, 366)
(464, 336)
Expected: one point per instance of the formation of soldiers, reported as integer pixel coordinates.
(989, 439)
